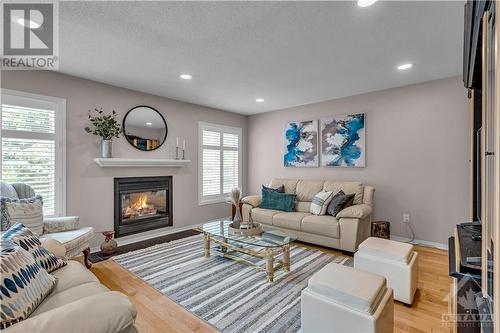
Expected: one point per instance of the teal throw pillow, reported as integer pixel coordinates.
(277, 201)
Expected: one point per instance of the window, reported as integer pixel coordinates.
(33, 145)
(219, 162)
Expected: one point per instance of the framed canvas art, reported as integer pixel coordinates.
(301, 144)
(343, 141)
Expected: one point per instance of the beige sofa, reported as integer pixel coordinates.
(78, 303)
(345, 231)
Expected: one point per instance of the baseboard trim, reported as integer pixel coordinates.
(139, 237)
(437, 245)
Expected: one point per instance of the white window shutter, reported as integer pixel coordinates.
(33, 146)
(219, 161)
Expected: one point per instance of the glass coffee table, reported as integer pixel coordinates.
(269, 245)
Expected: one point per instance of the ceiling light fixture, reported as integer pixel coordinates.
(149, 124)
(259, 100)
(366, 3)
(186, 76)
(405, 66)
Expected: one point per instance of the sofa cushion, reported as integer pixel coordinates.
(324, 225)
(23, 237)
(24, 284)
(290, 184)
(265, 216)
(109, 312)
(350, 287)
(386, 249)
(55, 300)
(348, 188)
(289, 220)
(303, 206)
(72, 275)
(307, 189)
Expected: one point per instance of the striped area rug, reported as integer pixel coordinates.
(231, 296)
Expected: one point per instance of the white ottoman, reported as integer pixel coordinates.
(342, 299)
(396, 261)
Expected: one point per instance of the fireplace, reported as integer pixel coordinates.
(142, 203)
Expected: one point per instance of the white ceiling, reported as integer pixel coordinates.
(289, 53)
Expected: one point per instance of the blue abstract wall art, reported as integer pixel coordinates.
(343, 141)
(301, 144)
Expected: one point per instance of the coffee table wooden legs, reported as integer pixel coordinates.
(206, 237)
(270, 265)
(270, 255)
(286, 258)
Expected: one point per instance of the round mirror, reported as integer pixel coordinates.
(145, 128)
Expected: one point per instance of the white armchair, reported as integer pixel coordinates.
(63, 230)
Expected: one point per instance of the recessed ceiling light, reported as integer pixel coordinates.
(259, 100)
(149, 124)
(366, 3)
(186, 76)
(28, 23)
(403, 67)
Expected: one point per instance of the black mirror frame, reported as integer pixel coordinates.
(164, 121)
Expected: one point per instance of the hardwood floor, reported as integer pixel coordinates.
(157, 313)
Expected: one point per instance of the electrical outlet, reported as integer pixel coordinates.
(406, 218)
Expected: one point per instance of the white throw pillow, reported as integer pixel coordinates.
(28, 212)
(320, 202)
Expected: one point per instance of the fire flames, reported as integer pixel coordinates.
(141, 203)
(138, 207)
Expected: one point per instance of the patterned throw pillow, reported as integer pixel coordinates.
(23, 237)
(26, 211)
(320, 202)
(339, 202)
(23, 286)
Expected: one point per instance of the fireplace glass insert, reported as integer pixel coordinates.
(145, 204)
(142, 203)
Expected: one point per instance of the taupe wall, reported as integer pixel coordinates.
(89, 187)
(416, 149)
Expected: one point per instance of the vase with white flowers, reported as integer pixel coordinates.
(106, 127)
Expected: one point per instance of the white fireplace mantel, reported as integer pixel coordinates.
(139, 162)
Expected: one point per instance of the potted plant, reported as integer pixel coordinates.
(106, 127)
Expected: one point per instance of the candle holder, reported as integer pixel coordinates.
(183, 154)
(176, 153)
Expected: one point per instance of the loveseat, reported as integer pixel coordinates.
(345, 231)
(78, 303)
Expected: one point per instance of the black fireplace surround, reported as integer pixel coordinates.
(142, 203)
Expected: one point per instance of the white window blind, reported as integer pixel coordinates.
(33, 146)
(219, 161)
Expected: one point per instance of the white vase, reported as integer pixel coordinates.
(237, 218)
(106, 148)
